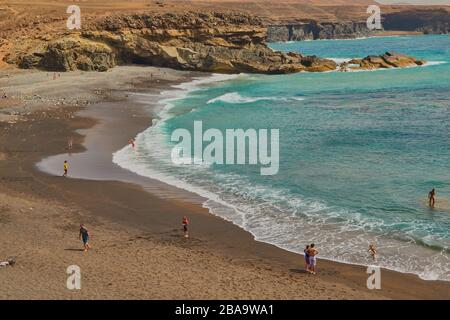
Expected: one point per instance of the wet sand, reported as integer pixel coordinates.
(138, 248)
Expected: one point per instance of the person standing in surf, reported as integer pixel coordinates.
(373, 251)
(432, 198)
(131, 141)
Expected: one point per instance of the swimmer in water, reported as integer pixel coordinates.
(432, 198)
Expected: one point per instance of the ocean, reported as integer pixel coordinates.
(359, 152)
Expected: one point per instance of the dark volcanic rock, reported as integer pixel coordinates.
(313, 30)
(422, 20)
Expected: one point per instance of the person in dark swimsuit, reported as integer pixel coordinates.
(432, 198)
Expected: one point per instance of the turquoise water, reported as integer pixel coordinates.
(359, 152)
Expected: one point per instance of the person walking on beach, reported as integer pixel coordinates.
(306, 258)
(373, 251)
(312, 251)
(66, 168)
(432, 198)
(84, 236)
(185, 226)
(70, 143)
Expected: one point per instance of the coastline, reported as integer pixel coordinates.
(128, 206)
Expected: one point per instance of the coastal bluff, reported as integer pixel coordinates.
(210, 42)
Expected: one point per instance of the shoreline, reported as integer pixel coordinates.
(211, 233)
(202, 197)
(375, 36)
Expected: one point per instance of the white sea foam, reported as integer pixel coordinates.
(274, 215)
(340, 60)
(427, 64)
(236, 98)
(434, 63)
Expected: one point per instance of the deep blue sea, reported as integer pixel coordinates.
(359, 152)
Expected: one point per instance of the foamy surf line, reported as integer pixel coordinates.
(237, 98)
(350, 70)
(215, 202)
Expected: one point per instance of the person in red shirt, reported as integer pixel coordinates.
(185, 226)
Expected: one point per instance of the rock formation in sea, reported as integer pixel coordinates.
(386, 61)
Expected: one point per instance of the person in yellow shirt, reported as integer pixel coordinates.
(66, 168)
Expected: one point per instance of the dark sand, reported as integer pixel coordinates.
(139, 251)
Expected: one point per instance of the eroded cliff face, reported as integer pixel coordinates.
(436, 21)
(428, 21)
(213, 42)
(313, 31)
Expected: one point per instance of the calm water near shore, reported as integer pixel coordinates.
(359, 152)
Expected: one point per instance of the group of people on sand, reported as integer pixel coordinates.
(311, 252)
(69, 148)
(84, 234)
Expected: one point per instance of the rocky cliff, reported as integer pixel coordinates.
(424, 20)
(436, 21)
(211, 42)
(313, 30)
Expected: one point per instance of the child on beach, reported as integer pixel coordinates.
(185, 226)
(306, 258)
(131, 142)
(84, 236)
(66, 168)
(373, 251)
